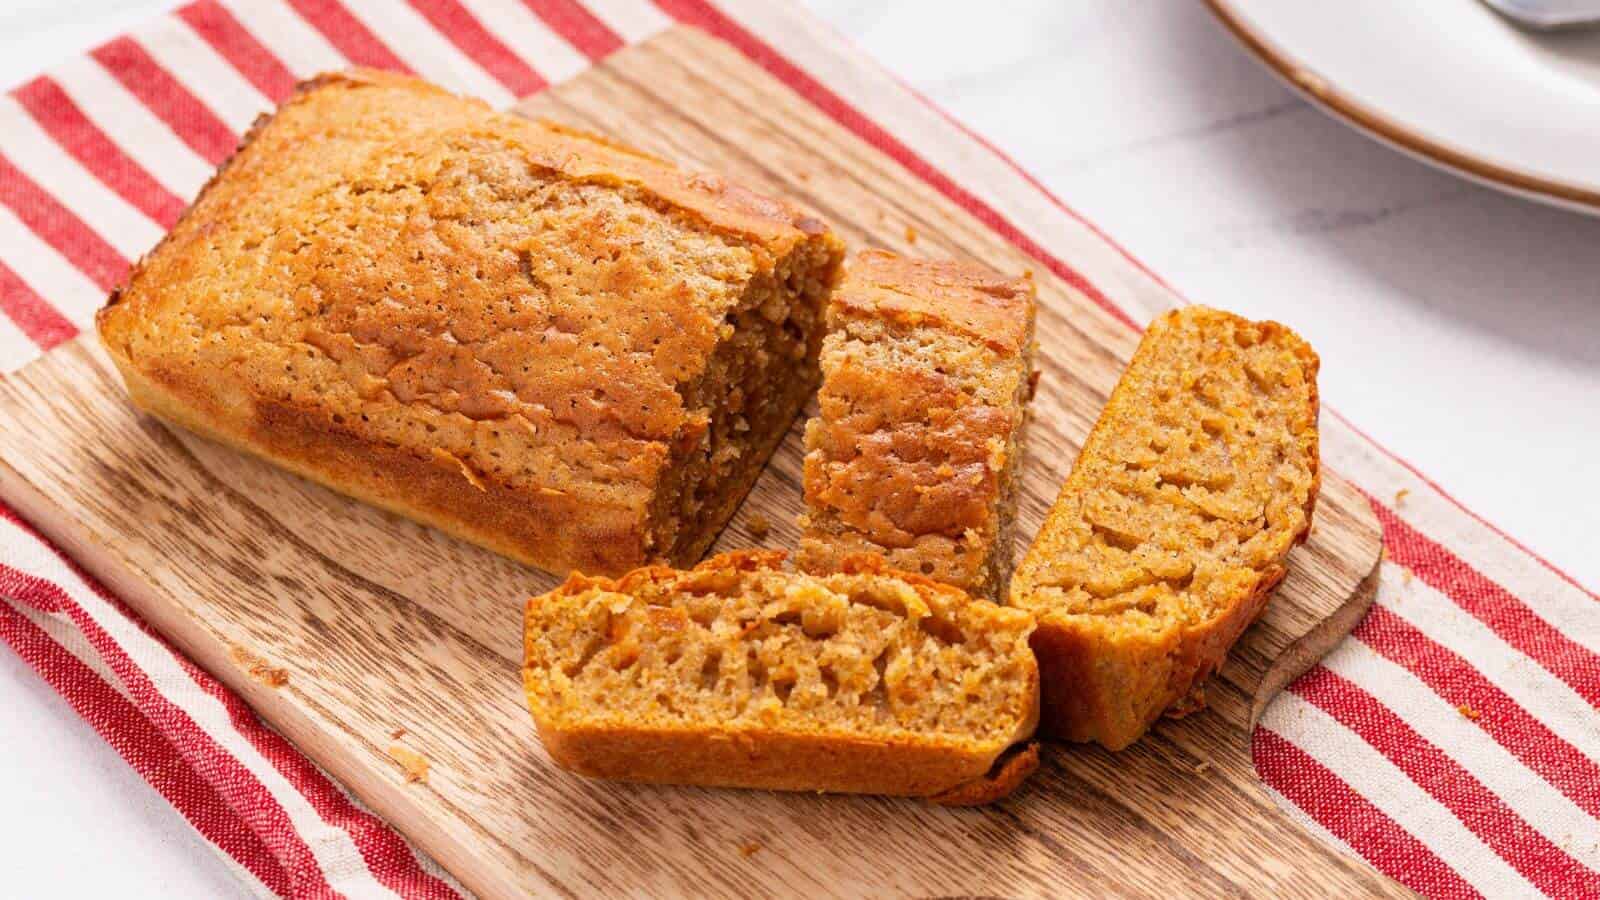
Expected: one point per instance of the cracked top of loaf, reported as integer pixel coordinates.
(529, 307)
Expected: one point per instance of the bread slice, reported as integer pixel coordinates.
(565, 350)
(1172, 529)
(927, 373)
(738, 673)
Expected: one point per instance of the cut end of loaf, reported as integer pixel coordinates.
(866, 680)
(743, 402)
(1171, 531)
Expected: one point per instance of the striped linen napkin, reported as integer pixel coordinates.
(1453, 741)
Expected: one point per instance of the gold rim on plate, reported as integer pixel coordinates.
(1395, 133)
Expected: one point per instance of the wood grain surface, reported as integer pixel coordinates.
(381, 624)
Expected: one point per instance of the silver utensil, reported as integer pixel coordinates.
(1547, 14)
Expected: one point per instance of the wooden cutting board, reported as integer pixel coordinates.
(380, 624)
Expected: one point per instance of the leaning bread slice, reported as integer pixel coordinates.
(739, 673)
(1173, 526)
(927, 372)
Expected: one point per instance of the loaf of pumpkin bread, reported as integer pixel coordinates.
(1172, 529)
(927, 372)
(739, 673)
(567, 351)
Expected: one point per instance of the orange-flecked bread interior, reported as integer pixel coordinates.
(1198, 479)
(927, 372)
(740, 673)
(566, 350)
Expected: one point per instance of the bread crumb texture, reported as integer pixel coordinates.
(413, 765)
(742, 673)
(572, 352)
(927, 372)
(259, 669)
(1172, 528)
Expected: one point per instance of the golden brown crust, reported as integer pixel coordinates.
(1112, 698)
(764, 760)
(1135, 613)
(655, 734)
(961, 297)
(565, 350)
(926, 377)
(400, 482)
(1009, 772)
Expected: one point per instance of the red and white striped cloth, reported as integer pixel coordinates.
(1453, 742)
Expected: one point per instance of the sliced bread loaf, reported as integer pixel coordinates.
(567, 351)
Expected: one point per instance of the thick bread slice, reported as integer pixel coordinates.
(567, 351)
(927, 373)
(738, 673)
(1172, 529)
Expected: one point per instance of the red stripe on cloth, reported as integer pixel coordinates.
(190, 119)
(1455, 679)
(237, 784)
(346, 33)
(57, 226)
(454, 22)
(578, 26)
(226, 35)
(30, 313)
(10, 515)
(1450, 498)
(61, 118)
(386, 853)
(1352, 818)
(146, 750)
(1514, 621)
(1485, 814)
(704, 15)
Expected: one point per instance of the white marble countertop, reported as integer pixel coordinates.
(1458, 326)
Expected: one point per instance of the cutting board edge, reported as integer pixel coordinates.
(390, 797)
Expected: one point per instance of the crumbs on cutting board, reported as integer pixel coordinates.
(759, 526)
(1401, 495)
(750, 849)
(412, 763)
(259, 669)
(398, 733)
(911, 235)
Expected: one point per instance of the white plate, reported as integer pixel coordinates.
(1447, 81)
